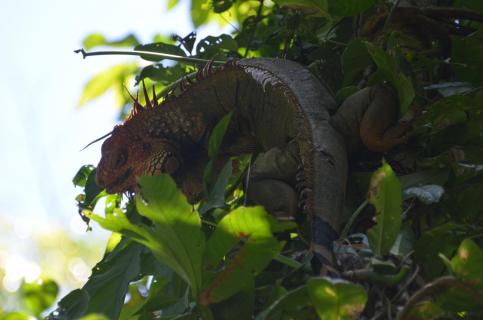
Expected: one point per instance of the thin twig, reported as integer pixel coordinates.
(255, 24)
(150, 54)
(436, 287)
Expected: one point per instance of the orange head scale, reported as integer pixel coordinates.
(130, 152)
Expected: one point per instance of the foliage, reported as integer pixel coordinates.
(221, 260)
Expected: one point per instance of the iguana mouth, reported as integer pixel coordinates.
(117, 184)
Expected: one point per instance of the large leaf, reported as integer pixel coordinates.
(389, 68)
(253, 228)
(355, 59)
(385, 195)
(175, 238)
(336, 301)
(106, 80)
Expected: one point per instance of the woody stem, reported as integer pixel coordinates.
(146, 54)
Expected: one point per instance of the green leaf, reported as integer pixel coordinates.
(179, 240)
(216, 137)
(200, 10)
(467, 264)
(98, 39)
(16, 315)
(442, 239)
(171, 4)
(161, 74)
(72, 306)
(81, 176)
(109, 282)
(39, 295)
(355, 59)
(106, 80)
(385, 195)
(159, 47)
(211, 47)
(466, 56)
(253, 227)
(389, 68)
(244, 222)
(336, 301)
(216, 196)
(346, 8)
(175, 238)
(220, 6)
(291, 300)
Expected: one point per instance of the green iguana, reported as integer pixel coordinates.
(280, 110)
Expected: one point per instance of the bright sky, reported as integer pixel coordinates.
(41, 80)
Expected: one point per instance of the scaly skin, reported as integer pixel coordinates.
(280, 110)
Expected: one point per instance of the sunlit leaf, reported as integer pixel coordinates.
(254, 228)
(385, 195)
(177, 227)
(200, 11)
(103, 81)
(98, 39)
(336, 301)
(467, 262)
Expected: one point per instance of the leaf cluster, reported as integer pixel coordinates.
(420, 259)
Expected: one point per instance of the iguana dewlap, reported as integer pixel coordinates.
(280, 110)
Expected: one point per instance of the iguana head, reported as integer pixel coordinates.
(132, 151)
(125, 156)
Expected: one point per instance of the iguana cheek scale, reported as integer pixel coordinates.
(280, 110)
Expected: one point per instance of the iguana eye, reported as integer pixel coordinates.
(121, 158)
(147, 147)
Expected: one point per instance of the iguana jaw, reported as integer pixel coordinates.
(126, 156)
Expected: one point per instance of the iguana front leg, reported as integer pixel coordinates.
(272, 179)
